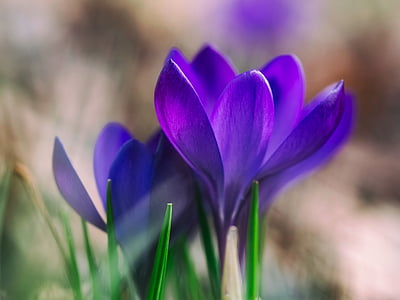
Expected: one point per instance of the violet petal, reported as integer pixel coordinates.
(109, 142)
(271, 185)
(213, 73)
(153, 142)
(185, 123)
(173, 182)
(286, 78)
(310, 134)
(71, 187)
(131, 179)
(177, 57)
(242, 122)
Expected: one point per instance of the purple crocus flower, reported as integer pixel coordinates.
(232, 129)
(250, 28)
(263, 21)
(144, 177)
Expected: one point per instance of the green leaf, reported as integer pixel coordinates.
(33, 193)
(157, 282)
(252, 247)
(91, 261)
(112, 248)
(73, 271)
(211, 258)
(188, 285)
(192, 278)
(130, 285)
(173, 268)
(4, 191)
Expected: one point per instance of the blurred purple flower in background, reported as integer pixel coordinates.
(144, 178)
(262, 19)
(232, 129)
(251, 25)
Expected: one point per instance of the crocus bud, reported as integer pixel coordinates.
(231, 276)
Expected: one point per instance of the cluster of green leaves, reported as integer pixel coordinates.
(175, 274)
(192, 288)
(120, 286)
(176, 262)
(174, 271)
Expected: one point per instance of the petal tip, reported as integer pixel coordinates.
(207, 48)
(57, 141)
(339, 85)
(259, 77)
(58, 148)
(256, 74)
(289, 60)
(174, 53)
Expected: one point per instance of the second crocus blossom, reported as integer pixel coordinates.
(144, 177)
(232, 129)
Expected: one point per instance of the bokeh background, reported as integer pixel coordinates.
(68, 67)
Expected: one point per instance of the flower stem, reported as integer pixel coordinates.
(112, 248)
(211, 258)
(252, 247)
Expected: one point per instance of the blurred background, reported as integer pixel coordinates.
(68, 67)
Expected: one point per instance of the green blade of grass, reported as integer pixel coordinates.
(73, 271)
(157, 282)
(188, 284)
(193, 282)
(173, 268)
(252, 247)
(4, 191)
(112, 248)
(130, 284)
(32, 191)
(91, 262)
(211, 258)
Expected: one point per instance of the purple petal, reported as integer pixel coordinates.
(286, 78)
(173, 182)
(177, 57)
(153, 142)
(185, 123)
(242, 123)
(318, 99)
(310, 134)
(71, 187)
(109, 142)
(271, 185)
(131, 178)
(213, 73)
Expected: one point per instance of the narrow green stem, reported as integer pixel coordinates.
(252, 247)
(73, 270)
(112, 248)
(91, 261)
(211, 258)
(192, 279)
(4, 190)
(157, 282)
